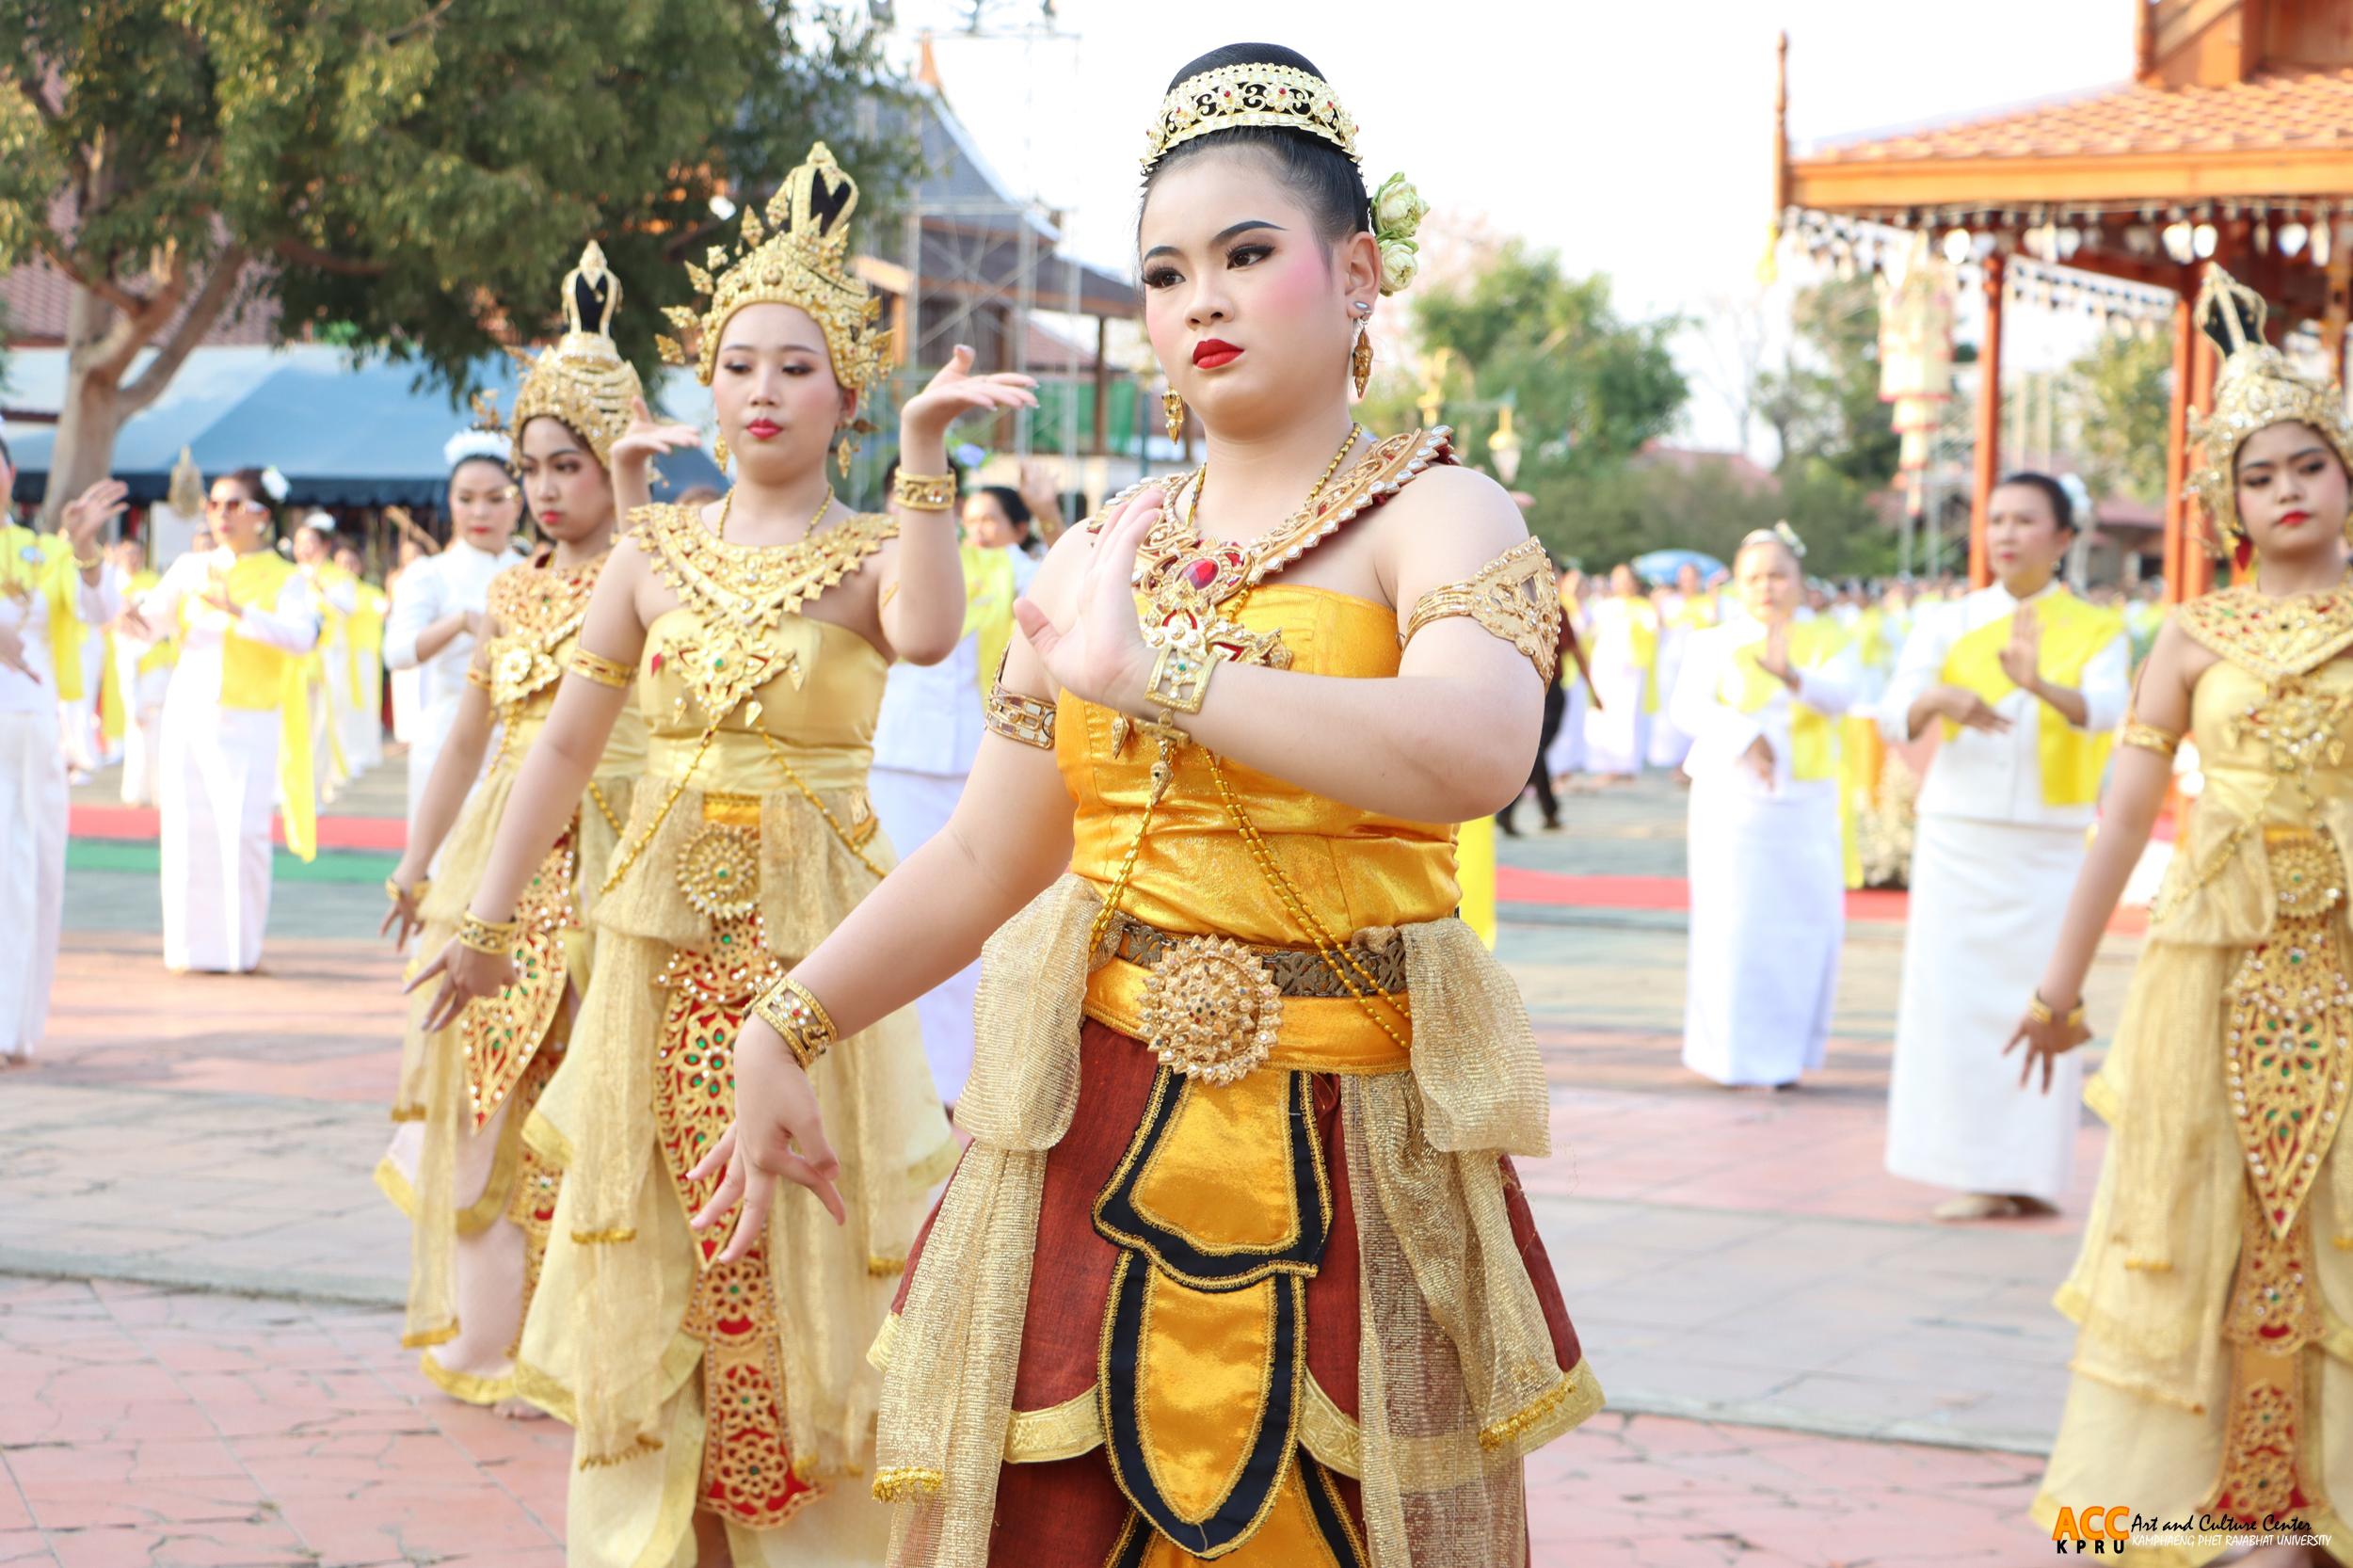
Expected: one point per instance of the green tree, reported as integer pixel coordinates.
(1590, 387)
(2117, 394)
(413, 174)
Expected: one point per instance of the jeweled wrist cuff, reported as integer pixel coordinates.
(2042, 1012)
(393, 890)
(792, 1012)
(495, 938)
(925, 492)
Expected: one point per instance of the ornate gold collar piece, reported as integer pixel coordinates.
(742, 593)
(539, 608)
(2273, 638)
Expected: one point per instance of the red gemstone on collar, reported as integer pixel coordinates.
(1202, 572)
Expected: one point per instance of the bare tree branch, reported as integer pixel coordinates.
(55, 251)
(428, 20)
(228, 271)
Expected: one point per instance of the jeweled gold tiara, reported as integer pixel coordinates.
(2256, 387)
(1232, 96)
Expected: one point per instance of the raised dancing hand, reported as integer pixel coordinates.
(1099, 654)
(955, 391)
(2022, 656)
(648, 437)
(90, 512)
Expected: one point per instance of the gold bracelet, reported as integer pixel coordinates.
(792, 1012)
(598, 669)
(91, 565)
(478, 675)
(925, 492)
(1018, 717)
(392, 889)
(495, 937)
(2041, 1012)
(1181, 676)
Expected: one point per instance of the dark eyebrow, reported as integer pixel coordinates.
(2312, 451)
(753, 349)
(1223, 234)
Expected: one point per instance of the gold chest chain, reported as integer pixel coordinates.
(1197, 589)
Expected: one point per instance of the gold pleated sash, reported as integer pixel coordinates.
(746, 759)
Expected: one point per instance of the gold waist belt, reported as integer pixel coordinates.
(1219, 1008)
(746, 762)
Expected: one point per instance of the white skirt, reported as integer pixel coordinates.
(1768, 911)
(912, 806)
(1986, 902)
(216, 786)
(32, 872)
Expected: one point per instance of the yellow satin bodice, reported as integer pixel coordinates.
(1194, 873)
(2265, 748)
(819, 706)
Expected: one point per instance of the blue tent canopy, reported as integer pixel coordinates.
(344, 433)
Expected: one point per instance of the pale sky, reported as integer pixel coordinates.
(1633, 139)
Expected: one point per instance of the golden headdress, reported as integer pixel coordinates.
(583, 381)
(2256, 387)
(1285, 98)
(804, 263)
(1277, 96)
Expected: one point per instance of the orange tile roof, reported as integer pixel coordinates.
(2276, 112)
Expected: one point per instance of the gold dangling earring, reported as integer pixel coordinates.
(719, 450)
(1172, 414)
(845, 449)
(1360, 358)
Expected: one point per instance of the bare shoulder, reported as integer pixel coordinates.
(1451, 514)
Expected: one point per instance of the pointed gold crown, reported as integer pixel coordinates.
(583, 382)
(1231, 96)
(804, 262)
(2256, 387)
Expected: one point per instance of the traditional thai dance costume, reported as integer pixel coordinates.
(1999, 838)
(236, 736)
(2214, 1293)
(925, 741)
(739, 1389)
(337, 594)
(480, 1199)
(1238, 1266)
(1625, 653)
(1766, 872)
(364, 637)
(45, 601)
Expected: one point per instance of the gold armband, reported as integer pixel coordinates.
(1017, 718)
(495, 937)
(800, 1017)
(2165, 742)
(596, 668)
(1513, 597)
(925, 492)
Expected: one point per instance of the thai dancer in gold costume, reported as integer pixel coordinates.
(479, 1199)
(720, 1403)
(1237, 1266)
(2215, 1286)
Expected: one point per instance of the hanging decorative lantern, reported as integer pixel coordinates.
(1917, 359)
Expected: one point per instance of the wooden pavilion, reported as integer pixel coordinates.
(2234, 141)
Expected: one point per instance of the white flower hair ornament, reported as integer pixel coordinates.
(1788, 536)
(1398, 210)
(274, 483)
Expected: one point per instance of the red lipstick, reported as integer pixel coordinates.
(763, 429)
(1210, 353)
(2294, 519)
